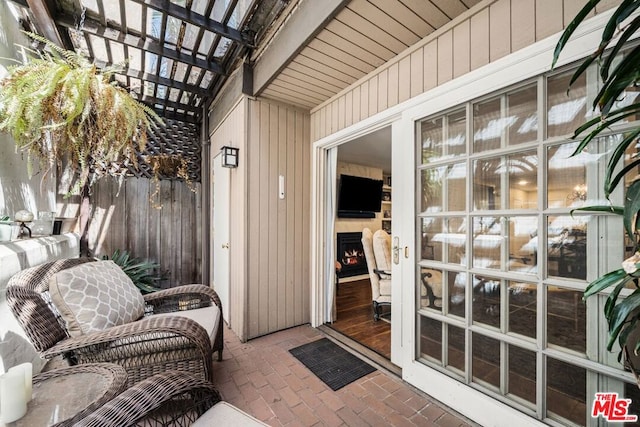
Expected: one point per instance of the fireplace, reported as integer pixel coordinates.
(351, 254)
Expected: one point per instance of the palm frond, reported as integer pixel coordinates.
(618, 71)
(140, 272)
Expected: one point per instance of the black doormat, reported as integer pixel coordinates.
(331, 363)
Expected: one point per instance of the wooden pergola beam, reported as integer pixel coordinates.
(22, 3)
(186, 15)
(44, 21)
(97, 29)
(154, 78)
(152, 102)
(177, 116)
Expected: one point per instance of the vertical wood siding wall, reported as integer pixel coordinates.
(170, 236)
(492, 30)
(278, 230)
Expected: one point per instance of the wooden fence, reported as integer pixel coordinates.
(124, 218)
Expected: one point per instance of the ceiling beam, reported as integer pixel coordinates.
(177, 116)
(152, 102)
(186, 15)
(22, 3)
(43, 16)
(304, 24)
(93, 27)
(154, 78)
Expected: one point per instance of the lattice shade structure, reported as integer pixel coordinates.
(175, 138)
(174, 55)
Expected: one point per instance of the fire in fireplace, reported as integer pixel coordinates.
(351, 254)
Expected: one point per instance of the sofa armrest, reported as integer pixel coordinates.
(185, 297)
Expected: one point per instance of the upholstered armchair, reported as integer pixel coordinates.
(377, 252)
(89, 311)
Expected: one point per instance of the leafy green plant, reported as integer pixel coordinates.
(140, 272)
(622, 314)
(59, 107)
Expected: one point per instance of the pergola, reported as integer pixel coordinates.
(174, 56)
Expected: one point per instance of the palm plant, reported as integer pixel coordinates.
(59, 107)
(140, 272)
(622, 314)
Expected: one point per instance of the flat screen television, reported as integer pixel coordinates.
(359, 197)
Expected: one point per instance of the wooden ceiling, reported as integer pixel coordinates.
(362, 35)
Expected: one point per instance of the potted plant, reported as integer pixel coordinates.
(140, 272)
(622, 314)
(61, 109)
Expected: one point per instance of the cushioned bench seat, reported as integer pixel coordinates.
(225, 414)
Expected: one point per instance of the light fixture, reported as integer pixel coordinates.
(23, 217)
(579, 193)
(229, 157)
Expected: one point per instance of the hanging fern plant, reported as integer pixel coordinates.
(59, 107)
(167, 165)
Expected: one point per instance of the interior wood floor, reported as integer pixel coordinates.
(355, 317)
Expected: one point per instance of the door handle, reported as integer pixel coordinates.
(396, 250)
(225, 246)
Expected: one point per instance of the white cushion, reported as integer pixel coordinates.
(225, 414)
(95, 296)
(385, 287)
(207, 317)
(382, 250)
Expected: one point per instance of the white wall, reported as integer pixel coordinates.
(17, 190)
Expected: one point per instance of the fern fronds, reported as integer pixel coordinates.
(59, 106)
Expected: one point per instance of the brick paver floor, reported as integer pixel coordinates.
(262, 378)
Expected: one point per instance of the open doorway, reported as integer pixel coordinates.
(367, 157)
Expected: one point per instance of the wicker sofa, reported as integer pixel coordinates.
(178, 329)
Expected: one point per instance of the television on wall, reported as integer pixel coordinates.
(359, 197)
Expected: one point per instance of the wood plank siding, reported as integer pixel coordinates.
(269, 236)
(278, 229)
(482, 34)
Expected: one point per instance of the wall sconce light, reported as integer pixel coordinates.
(229, 157)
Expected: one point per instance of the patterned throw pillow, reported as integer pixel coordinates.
(95, 296)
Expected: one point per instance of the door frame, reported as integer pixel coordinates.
(512, 69)
(318, 270)
(215, 240)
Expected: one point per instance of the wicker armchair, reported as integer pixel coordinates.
(154, 344)
(172, 398)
